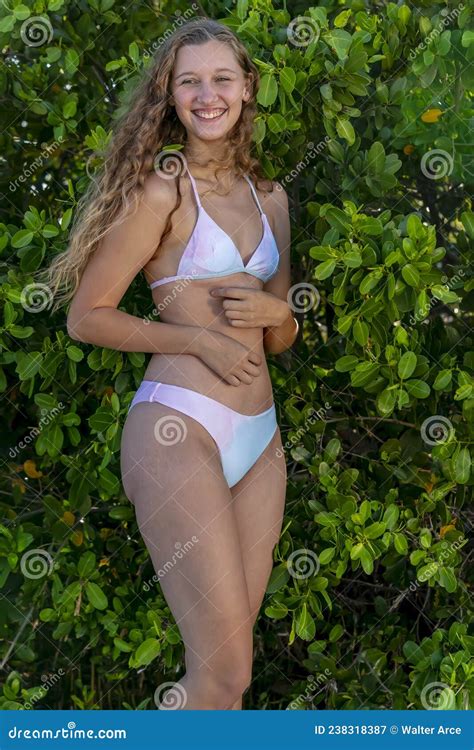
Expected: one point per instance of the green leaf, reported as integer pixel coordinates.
(400, 543)
(462, 466)
(367, 561)
(95, 595)
(147, 651)
(374, 530)
(268, 90)
(346, 363)
(324, 270)
(326, 555)
(22, 238)
(407, 365)
(386, 401)
(417, 388)
(360, 331)
(443, 380)
(345, 130)
(87, 564)
(376, 158)
(305, 625)
(447, 579)
(410, 275)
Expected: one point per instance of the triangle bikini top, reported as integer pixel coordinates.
(211, 252)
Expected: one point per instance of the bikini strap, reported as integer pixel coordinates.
(193, 185)
(254, 193)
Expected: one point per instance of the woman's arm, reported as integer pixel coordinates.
(268, 308)
(93, 315)
(277, 339)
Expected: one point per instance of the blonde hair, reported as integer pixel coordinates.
(142, 132)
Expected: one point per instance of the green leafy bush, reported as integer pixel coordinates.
(364, 118)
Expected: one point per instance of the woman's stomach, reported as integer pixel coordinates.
(188, 302)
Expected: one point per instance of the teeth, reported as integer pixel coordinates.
(209, 115)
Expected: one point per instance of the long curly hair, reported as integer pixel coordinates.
(138, 141)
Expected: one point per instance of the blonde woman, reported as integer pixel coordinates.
(201, 453)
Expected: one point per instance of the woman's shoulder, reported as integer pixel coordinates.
(159, 190)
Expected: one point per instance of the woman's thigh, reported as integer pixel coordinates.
(171, 471)
(259, 503)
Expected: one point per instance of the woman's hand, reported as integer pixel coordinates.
(231, 360)
(245, 307)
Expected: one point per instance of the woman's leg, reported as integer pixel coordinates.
(180, 495)
(259, 501)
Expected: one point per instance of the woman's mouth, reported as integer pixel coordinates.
(209, 114)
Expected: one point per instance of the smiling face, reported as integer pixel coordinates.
(208, 88)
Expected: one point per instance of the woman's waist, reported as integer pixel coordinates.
(188, 371)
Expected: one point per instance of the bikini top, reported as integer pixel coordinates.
(211, 252)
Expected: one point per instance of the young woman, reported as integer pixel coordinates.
(201, 454)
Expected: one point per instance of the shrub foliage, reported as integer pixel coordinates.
(364, 118)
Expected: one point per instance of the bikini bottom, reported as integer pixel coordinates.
(240, 438)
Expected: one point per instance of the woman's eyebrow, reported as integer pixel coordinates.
(192, 73)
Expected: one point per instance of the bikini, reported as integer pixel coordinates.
(210, 252)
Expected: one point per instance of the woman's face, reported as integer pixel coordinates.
(208, 87)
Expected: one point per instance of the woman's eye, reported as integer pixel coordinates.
(221, 78)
